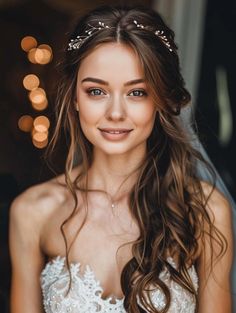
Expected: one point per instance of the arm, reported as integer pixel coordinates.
(26, 257)
(214, 283)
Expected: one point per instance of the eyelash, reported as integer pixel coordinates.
(144, 93)
(91, 90)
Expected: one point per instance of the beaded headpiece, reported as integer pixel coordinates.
(80, 39)
(159, 33)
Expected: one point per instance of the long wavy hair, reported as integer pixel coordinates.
(167, 199)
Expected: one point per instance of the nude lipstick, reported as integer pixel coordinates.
(115, 134)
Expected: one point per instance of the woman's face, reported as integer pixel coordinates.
(116, 110)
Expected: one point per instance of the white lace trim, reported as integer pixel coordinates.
(85, 295)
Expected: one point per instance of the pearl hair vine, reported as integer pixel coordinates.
(76, 43)
(159, 33)
(79, 40)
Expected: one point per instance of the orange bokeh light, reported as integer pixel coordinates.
(35, 55)
(37, 95)
(43, 54)
(40, 106)
(46, 47)
(31, 82)
(39, 136)
(39, 139)
(41, 124)
(40, 144)
(31, 55)
(28, 43)
(25, 123)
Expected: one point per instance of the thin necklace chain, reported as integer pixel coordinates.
(114, 203)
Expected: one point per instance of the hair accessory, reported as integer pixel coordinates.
(80, 39)
(76, 43)
(159, 33)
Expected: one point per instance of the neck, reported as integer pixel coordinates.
(115, 174)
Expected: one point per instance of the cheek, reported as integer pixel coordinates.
(88, 117)
(144, 116)
(89, 114)
(87, 130)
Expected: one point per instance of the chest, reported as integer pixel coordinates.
(102, 240)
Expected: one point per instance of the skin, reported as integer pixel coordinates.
(120, 103)
(37, 238)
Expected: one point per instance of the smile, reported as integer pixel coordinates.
(115, 131)
(114, 134)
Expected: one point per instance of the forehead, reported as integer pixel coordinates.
(112, 61)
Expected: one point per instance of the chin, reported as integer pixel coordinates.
(115, 151)
(122, 149)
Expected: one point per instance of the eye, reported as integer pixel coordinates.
(95, 92)
(138, 93)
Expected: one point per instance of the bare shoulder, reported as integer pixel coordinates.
(218, 206)
(216, 257)
(29, 214)
(36, 204)
(220, 213)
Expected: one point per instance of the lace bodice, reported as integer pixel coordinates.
(85, 295)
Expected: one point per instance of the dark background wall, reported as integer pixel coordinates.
(216, 110)
(22, 164)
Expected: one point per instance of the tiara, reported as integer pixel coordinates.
(76, 43)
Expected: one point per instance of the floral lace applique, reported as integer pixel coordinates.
(85, 294)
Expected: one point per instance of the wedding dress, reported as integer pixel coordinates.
(85, 294)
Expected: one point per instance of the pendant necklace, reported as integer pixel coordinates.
(112, 202)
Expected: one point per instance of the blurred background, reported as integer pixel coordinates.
(32, 39)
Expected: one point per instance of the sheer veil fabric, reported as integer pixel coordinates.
(187, 119)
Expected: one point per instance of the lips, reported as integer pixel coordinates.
(115, 134)
(115, 130)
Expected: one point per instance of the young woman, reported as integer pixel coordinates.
(131, 228)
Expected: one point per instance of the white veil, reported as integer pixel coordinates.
(187, 118)
(204, 174)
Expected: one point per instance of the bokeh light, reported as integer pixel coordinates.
(25, 123)
(41, 124)
(40, 144)
(37, 95)
(40, 106)
(40, 55)
(40, 132)
(35, 55)
(31, 82)
(39, 136)
(28, 43)
(43, 56)
(46, 47)
(31, 55)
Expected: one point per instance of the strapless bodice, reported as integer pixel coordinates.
(85, 294)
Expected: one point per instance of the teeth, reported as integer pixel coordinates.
(115, 132)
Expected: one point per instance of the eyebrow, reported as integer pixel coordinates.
(103, 82)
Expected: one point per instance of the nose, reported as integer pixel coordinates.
(116, 109)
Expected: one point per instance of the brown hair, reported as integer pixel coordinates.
(167, 200)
